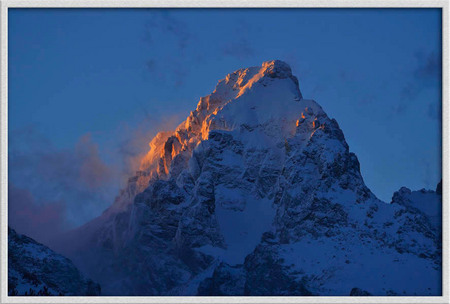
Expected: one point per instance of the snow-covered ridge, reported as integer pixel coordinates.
(227, 107)
(257, 193)
(243, 99)
(34, 269)
(428, 202)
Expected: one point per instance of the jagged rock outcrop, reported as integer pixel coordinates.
(257, 193)
(36, 270)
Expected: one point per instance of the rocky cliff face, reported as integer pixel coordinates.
(36, 270)
(257, 193)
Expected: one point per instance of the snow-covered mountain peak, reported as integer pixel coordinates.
(266, 98)
(249, 196)
(245, 92)
(238, 82)
(277, 68)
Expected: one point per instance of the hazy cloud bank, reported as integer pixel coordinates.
(52, 190)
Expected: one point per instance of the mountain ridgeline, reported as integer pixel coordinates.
(257, 193)
(36, 270)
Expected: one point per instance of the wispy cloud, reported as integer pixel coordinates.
(176, 48)
(165, 23)
(240, 48)
(168, 39)
(70, 185)
(430, 66)
(133, 141)
(52, 190)
(240, 45)
(41, 220)
(426, 74)
(93, 172)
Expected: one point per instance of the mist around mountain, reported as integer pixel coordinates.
(257, 193)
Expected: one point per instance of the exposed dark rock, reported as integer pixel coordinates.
(36, 270)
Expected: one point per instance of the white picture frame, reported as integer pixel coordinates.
(5, 5)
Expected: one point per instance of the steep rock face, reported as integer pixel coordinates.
(427, 202)
(257, 193)
(34, 269)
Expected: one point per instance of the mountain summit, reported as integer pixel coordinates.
(257, 193)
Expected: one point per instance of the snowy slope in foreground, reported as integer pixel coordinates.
(257, 193)
(36, 270)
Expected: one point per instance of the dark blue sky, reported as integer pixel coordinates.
(89, 87)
